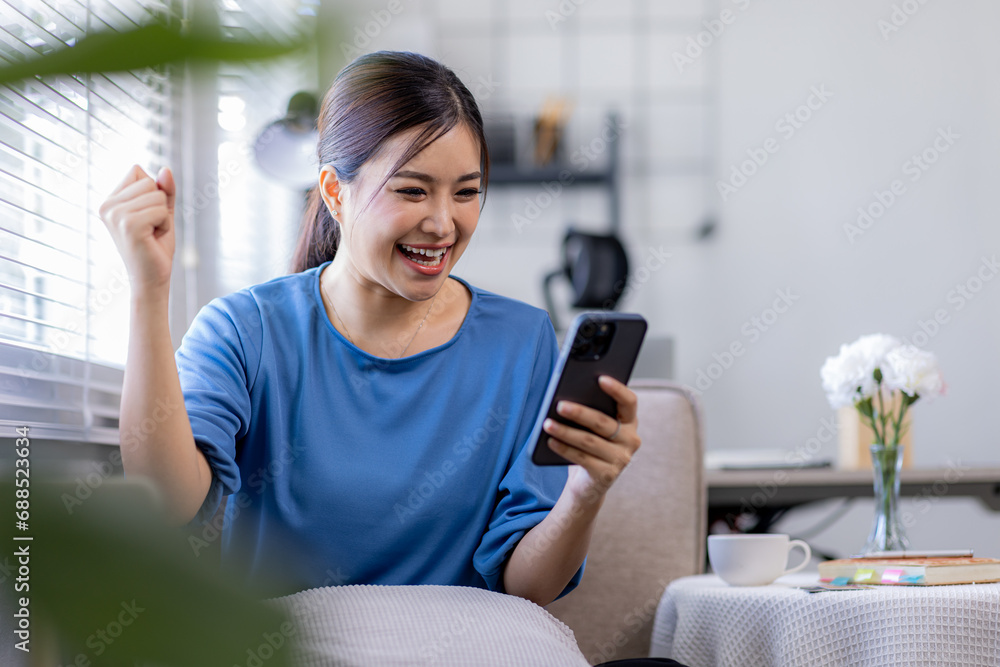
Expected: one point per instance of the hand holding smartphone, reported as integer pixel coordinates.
(598, 343)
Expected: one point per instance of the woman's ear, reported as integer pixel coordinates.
(329, 190)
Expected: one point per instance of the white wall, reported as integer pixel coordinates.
(785, 228)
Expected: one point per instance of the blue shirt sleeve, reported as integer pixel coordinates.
(528, 491)
(216, 363)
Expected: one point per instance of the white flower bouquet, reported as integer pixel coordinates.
(868, 373)
(875, 374)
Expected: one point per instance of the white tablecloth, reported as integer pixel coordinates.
(701, 621)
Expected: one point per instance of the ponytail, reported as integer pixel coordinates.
(319, 235)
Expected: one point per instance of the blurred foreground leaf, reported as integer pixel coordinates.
(116, 585)
(146, 46)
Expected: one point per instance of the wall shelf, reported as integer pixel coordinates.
(507, 174)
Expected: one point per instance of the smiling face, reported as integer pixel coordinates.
(405, 238)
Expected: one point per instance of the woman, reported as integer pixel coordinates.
(370, 412)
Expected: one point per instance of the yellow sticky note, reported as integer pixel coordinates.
(863, 575)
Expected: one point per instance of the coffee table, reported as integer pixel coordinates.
(703, 622)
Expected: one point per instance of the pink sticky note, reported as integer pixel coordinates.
(891, 576)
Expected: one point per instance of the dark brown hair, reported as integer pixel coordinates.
(375, 97)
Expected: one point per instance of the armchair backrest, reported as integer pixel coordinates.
(650, 530)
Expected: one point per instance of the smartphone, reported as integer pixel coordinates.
(597, 343)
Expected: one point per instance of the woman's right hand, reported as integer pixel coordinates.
(139, 214)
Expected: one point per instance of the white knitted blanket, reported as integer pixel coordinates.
(701, 621)
(370, 626)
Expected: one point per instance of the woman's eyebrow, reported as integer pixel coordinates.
(427, 178)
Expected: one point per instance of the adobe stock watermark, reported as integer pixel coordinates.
(797, 458)
(656, 259)
(363, 34)
(258, 482)
(586, 154)
(581, 159)
(392, 349)
(462, 451)
(74, 158)
(271, 643)
(431, 653)
(637, 618)
(60, 341)
(562, 12)
(554, 526)
(208, 193)
(931, 495)
(102, 638)
(7, 568)
(87, 484)
(140, 432)
(335, 577)
(484, 87)
(957, 298)
(914, 167)
(751, 331)
(899, 17)
(787, 126)
(965, 292)
(714, 29)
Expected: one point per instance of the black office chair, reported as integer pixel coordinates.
(596, 267)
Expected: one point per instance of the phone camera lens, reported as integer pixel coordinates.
(593, 339)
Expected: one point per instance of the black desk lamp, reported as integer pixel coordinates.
(596, 267)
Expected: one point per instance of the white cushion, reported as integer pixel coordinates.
(425, 625)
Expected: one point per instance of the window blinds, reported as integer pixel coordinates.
(64, 144)
(258, 218)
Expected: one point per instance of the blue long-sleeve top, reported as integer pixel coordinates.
(350, 468)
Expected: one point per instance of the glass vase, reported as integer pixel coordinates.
(888, 533)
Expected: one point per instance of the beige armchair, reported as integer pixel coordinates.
(650, 531)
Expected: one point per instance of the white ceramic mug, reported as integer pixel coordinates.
(753, 560)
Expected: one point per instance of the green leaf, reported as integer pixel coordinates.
(146, 46)
(109, 562)
(865, 407)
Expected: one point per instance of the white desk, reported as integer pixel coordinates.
(701, 621)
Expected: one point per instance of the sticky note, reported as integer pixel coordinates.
(911, 579)
(864, 575)
(891, 576)
(841, 581)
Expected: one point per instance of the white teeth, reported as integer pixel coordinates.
(427, 252)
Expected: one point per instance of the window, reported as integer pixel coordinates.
(258, 218)
(64, 144)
